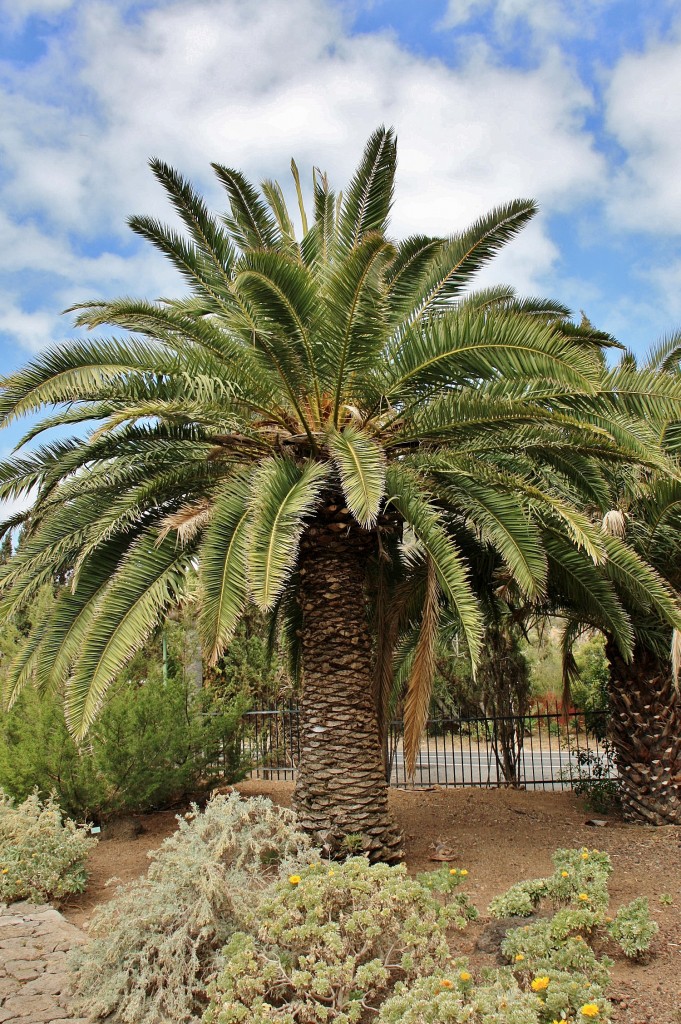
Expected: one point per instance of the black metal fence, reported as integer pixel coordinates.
(554, 750)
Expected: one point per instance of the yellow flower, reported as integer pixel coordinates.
(585, 856)
(589, 1010)
(464, 976)
(565, 874)
(463, 871)
(5, 871)
(446, 983)
(331, 872)
(294, 879)
(584, 896)
(519, 957)
(453, 871)
(539, 984)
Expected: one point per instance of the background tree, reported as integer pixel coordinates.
(285, 425)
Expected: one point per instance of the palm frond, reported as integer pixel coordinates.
(282, 495)
(404, 492)
(420, 682)
(360, 462)
(149, 580)
(222, 567)
(504, 523)
(251, 223)
(368, 198)
(453, 266)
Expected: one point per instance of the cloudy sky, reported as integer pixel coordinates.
(576, 103)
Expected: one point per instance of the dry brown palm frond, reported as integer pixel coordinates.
(676, 657)
(420, 684)
(187, 521)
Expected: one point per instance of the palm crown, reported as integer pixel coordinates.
(343, 365)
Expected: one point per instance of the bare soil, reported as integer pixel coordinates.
(501, 837)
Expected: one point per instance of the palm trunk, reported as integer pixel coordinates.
(646, 734)
(341, 790)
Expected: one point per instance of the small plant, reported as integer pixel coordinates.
(42, 853)
(593, 778)
(154, 947)
(557, 948)
(666, 900)
(436, 1000)
(328, 942)
(633, 927)
(580, 880)
(352, 843)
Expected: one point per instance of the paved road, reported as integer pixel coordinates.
(474, 766)
(540, 769)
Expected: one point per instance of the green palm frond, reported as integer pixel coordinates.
(282, 495)
(368, 198)
(274, 195)
(222, 568)
(644, 587)
(354, 322)
(580, 584)
(405, 493)
(361, 464)
(503, 522)
(461, 349)
(251, 223)
(151, 578)
(211, 239)
(665, 356)
(453, 266)
(406, 271)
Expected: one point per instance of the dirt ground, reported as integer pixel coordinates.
(500, 836)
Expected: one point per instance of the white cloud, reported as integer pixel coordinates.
(31, 330)
(546, 18)
(15, 12)
(251, 85)
(643, 114)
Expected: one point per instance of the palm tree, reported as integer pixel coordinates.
(313, 425)
(645, 723)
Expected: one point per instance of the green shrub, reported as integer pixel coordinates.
(154, 744)
(449, 1000)
(557, 948)
(42, 854)
(344, 944)
(590, 691)
(580, 880)
(592, 775)
(154, 947)
(633, 928)
(328, 941)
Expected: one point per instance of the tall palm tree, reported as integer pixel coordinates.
(302, 429)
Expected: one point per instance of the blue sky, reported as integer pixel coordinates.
(577, 104)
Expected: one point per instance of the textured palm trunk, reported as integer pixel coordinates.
(646, 734)
(341, 789)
